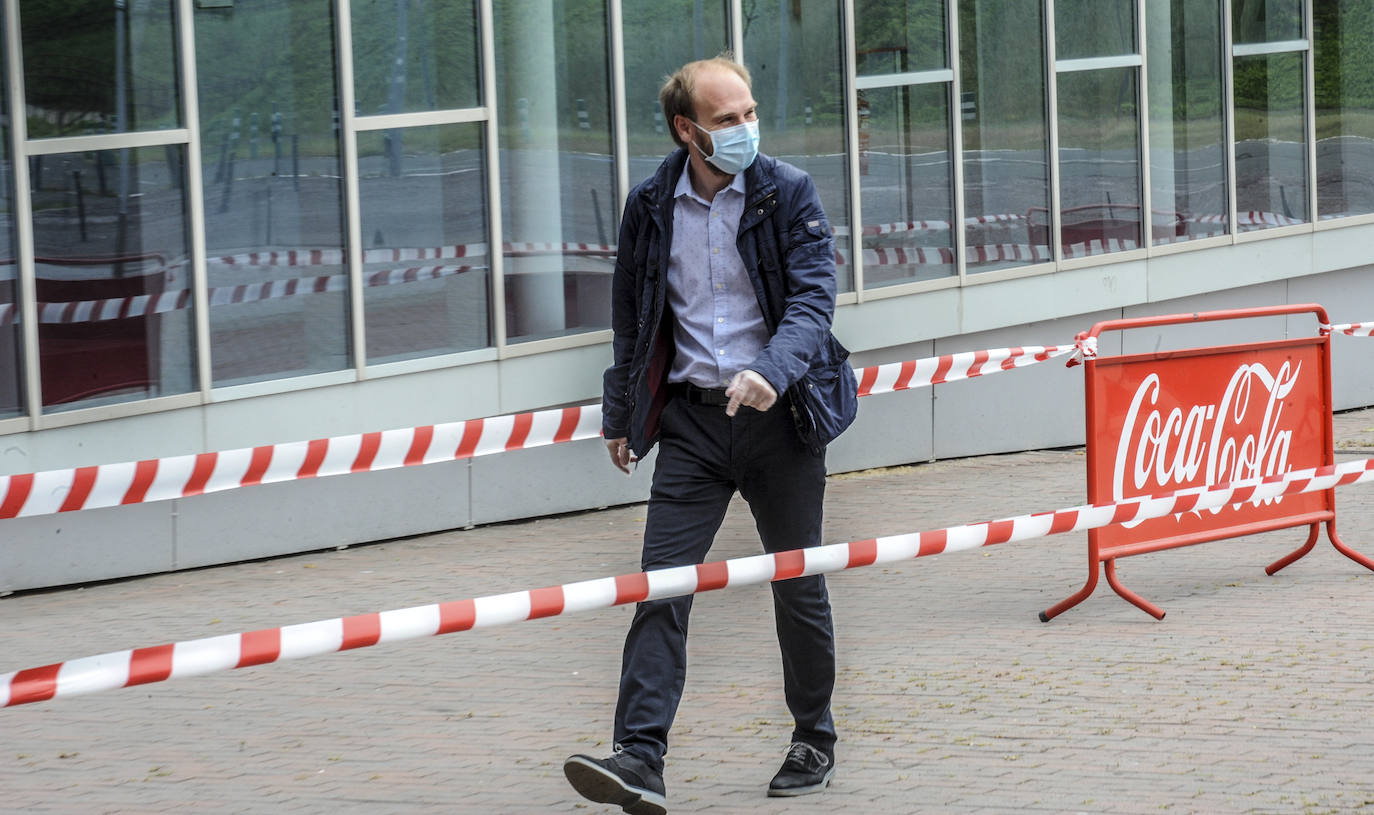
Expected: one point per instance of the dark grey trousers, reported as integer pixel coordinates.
(704, 456)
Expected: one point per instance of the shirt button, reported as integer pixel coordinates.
(720, 319)
(715, 250)
(720, 352)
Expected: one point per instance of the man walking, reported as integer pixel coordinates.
(722, 301)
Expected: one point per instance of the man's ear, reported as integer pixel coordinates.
(684, 128)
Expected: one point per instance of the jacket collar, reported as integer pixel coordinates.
(758, 184)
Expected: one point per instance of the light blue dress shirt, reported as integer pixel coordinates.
(718, 326)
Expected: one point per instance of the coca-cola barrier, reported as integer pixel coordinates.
(1168, 420)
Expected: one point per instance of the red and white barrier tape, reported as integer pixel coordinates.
(337, 257)
(1251, 218)
(982, 253)
(146, 305)
(87, 311)
(140, 666)
(1352, 329)
(900, 376)
(107, 485)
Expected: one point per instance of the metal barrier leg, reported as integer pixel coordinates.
(1075, 598)
(1305, 548)
(1109, 566)
(1336, 541)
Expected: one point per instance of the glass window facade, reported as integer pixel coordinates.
(1343, 41)
(906, 194)
(112, 271)
(654, 50)
(906, 189)
(899, 36)
(331, 227)
(272, 182)
(1093, 28)
(99, 66)
(1268, 92)
(795, 54)
(1271, 141)
(426, 274)
(1262, 21)
(413, 56)
(558, 204)
(1100, 179)
(1003, 113)
(1187, 120)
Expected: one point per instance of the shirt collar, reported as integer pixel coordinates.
(684, 185)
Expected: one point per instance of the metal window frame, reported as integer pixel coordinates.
(956, 142)
(1309, 102)
(908, 78)
(1228, 94)
(1257, 49)
(23, 214)
(348, 145)
(849, 58)
(1052, 128)
(195, 194)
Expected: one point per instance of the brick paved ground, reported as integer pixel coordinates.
(1251, 696)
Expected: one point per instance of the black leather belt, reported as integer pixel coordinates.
(714, 397)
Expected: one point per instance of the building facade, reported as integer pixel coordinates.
(231, 223)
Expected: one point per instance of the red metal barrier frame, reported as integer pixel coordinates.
(1169, 420)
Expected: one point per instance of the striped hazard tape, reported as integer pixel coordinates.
(108, 485)
(140, 666)
(146, 305)
(1352, 329)
(135, 482)
(899, 376)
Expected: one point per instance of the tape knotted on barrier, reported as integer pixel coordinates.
(1084, 347)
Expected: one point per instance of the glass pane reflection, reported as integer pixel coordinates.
(1345, 112)
(97, 66)
(1256, 21)
(1271, 142)
(1099, 163)
(273, 192)
(906, 185)
(1093, 28)
(109, 233)
(797, 64)
(897, 36)
(1187, 126)
(1006, 133)
(415, 55)
(426, 277)
(558, 204)
(653, 51)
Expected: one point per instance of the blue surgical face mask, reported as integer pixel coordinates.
(735, 147)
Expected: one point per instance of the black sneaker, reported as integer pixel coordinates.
(622, 779)
(804, 770)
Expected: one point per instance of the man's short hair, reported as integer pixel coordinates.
(679, 89)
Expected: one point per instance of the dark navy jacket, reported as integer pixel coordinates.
(785, 242)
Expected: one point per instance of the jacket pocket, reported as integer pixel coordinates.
(826, 399)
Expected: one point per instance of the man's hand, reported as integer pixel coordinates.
(750, 389)
(621, 456)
